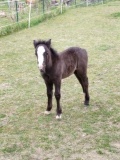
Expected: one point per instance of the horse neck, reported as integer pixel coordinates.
(52, 59)
(54, 54)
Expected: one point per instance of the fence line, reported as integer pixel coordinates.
(16, 11)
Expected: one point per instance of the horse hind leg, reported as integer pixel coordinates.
(79, 79)
(85, 83)
(83, 79)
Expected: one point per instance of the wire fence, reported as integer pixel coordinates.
(14, 11)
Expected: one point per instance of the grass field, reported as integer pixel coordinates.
(83, 133)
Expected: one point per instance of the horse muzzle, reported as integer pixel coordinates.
(42, 69)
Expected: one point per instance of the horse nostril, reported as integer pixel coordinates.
(41, 70)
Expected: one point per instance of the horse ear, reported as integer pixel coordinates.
(35, 43)
(48, 43)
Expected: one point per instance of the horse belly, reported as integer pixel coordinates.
(68, 72)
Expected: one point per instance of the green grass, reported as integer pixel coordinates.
(116, 15)
(83, 133)
(24, 24)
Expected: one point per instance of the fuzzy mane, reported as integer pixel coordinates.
(53, 51)
(40, 42)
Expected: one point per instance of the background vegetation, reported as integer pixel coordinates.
(83, 133)
(17, 15)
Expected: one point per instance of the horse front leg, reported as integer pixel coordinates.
(58, 96)
(49, 95)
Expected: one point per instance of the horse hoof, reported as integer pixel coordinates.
(47, 112)
(86, 103)
(59, 117)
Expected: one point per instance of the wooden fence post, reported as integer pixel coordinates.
(30, 5)
(61, 6)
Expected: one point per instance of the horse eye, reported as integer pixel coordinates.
(46, 53)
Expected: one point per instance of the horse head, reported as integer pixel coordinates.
(43, 54)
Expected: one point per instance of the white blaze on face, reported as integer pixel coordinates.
(40, 52)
